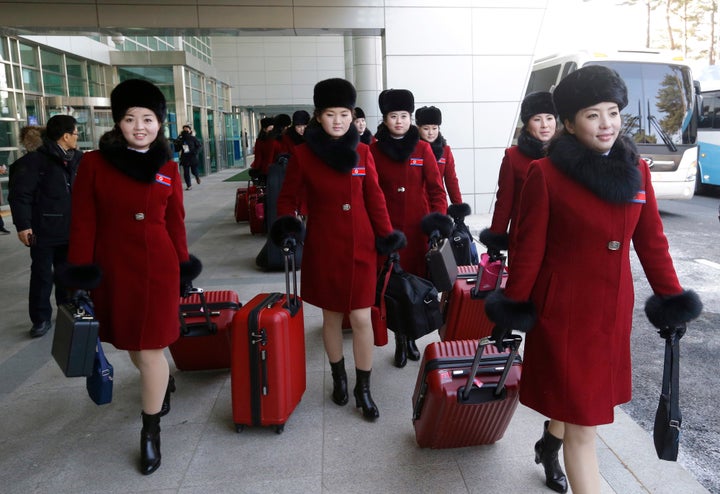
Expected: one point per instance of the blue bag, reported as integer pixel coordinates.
(100, 383)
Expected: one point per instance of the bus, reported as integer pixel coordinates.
(709, 135)
(661, 115)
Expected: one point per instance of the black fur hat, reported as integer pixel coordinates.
(437, 221)
(137, 93)
(301, 117)
(334, 93)
(266, 122)
(396, 100)
(282, 120)
(535, 103)
(428, 115)
(588, 86)
(359, 113)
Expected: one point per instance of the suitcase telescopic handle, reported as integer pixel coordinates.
(288, 248)
(475, 291)
(515, 341)
(203, 309)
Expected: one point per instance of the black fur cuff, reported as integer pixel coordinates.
(673, 310)
(508, 313)
(495, 241)
(287, 226)
(459, 211)
(191, 269)
(80, 276)
(393, 242)
(437, 221)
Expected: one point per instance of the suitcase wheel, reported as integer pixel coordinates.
(279, 429)
(239, 428)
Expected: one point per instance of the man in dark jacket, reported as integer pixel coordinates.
(189, 147)
(40, 187)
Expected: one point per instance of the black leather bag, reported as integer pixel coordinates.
(463, 244)
(412, 304)
(441, 266)
(668, 418)
(75, 338)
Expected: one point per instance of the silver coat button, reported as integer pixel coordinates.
(139, 216)
(613, 245)
(401, 189)
(346, 207)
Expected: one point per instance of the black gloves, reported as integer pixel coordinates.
(671, 313)
(189, 270)
(79, 276)
(668, 332)
(437, 222)
(458, 212)
(494, 241)
(498, 335)
(392, 243)
(287, 230)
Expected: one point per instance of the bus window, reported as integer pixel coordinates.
(709, 137)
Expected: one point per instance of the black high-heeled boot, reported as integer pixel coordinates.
(400, 350)
(150, 443)
(165, 408)
(340, 392)
(412, 350)
(546, 452)
(363, 399)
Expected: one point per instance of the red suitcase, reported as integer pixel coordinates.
(453, 409)
(464, 306)
(241, 204)
(256, 211)
(268, 366)
(205, 320)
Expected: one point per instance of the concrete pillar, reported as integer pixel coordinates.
(367, 64)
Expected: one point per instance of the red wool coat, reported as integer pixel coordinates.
(412, 189)
(263, 155)
(446, 164)
(346, 212)
(572, 259)
(513, 170)
(135, 232)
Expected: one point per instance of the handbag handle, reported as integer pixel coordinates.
(671, 378)
(386, 280)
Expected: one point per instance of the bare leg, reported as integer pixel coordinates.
(332, 334)
(581, 459)
(363, 342)
(154, 375)
(557, 428)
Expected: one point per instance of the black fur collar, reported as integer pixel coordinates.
(397, 149)
(614, 178)
(438, 146)
(339, 154)
(294, 136)
(366, 137)
(140, 166)
(530, 146)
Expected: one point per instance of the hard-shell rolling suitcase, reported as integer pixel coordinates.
(256, 211)
(241, 204)
(268, 365)
(466, 393)
(464, 306)
(205, 322)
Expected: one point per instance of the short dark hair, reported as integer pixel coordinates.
(60, 125)
(186, 126)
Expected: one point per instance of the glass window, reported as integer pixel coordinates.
(28, 55)
(76, 76)
(97, 80)
(3, 49)
(31, 79)
(53, 72)
(6, 133)
(543, 79)
(53, 84)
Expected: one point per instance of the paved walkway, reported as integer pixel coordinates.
(53, 439)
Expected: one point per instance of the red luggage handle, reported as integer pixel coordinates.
(515, 340)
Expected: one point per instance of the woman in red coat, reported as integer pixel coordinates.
(346, 214)
(410, 179)
(428, 120)
(537, 113)
(366, 136)
(571, 281)
(263, 148)
(128, 244)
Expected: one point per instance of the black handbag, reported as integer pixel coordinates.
(463, 244)
(100, 383)
(412, 304)
(441, 266)
(75, 337)
(668, 419)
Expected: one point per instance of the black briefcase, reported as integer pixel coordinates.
(75, 339)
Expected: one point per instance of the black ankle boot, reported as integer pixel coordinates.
(362, 395)
(340, 392)
(400, 350)
(412, 350)
(150, 443)
(546, 452)
(165, 408)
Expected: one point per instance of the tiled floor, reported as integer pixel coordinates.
(53, 439)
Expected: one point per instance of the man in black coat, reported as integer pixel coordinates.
(189, 147)
(40, 187)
